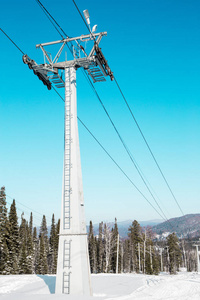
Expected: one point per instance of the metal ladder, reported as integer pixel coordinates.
(67, 264)
(67, 158)
(67, 254)
(96, 73)
(57, 80)
(66, 283)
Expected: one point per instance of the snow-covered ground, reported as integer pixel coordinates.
(184, 286)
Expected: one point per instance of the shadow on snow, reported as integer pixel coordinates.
(50, 281)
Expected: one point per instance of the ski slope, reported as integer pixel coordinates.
(184, 286)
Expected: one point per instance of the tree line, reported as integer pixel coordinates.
(139, 252)
(23, 250)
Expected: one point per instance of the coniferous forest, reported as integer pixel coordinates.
(25, 249)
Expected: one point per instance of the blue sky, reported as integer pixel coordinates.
(153, 49)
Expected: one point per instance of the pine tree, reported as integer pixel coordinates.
(57, 242)
(23, 233)
(114, 246)
(23, 262)
(35, 250)
(107, 248)
(44, 232)
(8, 264)
(135, 236)
(174, 253)
(31, 224)
(3, 221)
(14, 245)
(57, 233)
(92, 248)
(30, 246)
(126, 256)
(42, 265)
(43, 249)
(3, 212)
(52, 250)
(5, 270)
(100, 249)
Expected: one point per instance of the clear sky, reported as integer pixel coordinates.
(153, 48)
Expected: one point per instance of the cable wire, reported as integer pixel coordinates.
(153, 156)
(123, 143)
(23, 211)
(12, 41)
(119, 167)
(28, 207)
(111, 123)
(127, 150)
(115, 162)
(101, 145)
(50, 16)
(81, 16)
(147, 144)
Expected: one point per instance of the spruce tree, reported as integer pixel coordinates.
(114, 246)
(135, 236)
(3, 212)
(107, 248)
(92, 247)
(31, 224)
(30, 248)
(42, 265)
(57, 233)
(4, 267)
(36, 251)
(175, 255)
(23, 261)
(14, 245)
(56, 245)
(44, 232)
(23, 264)
(9, 247)
(3, 223)
(100, 249)
(126, 256)
(43, 251)
(52, 250)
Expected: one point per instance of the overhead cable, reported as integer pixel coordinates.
(51, 19)
(81, 16)
(12, 41)
(126, 148)
(111, 123)
(118, 165)
(37, 212)
(123, 143)
(153, 156)
(147, 144)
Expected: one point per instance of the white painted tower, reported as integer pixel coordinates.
(73, 270)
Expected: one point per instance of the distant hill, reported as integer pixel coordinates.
(185, 226)
(124, 225)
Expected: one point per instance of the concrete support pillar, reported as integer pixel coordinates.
(73, 270)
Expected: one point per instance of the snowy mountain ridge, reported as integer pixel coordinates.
(124, 225)
(184, 226)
